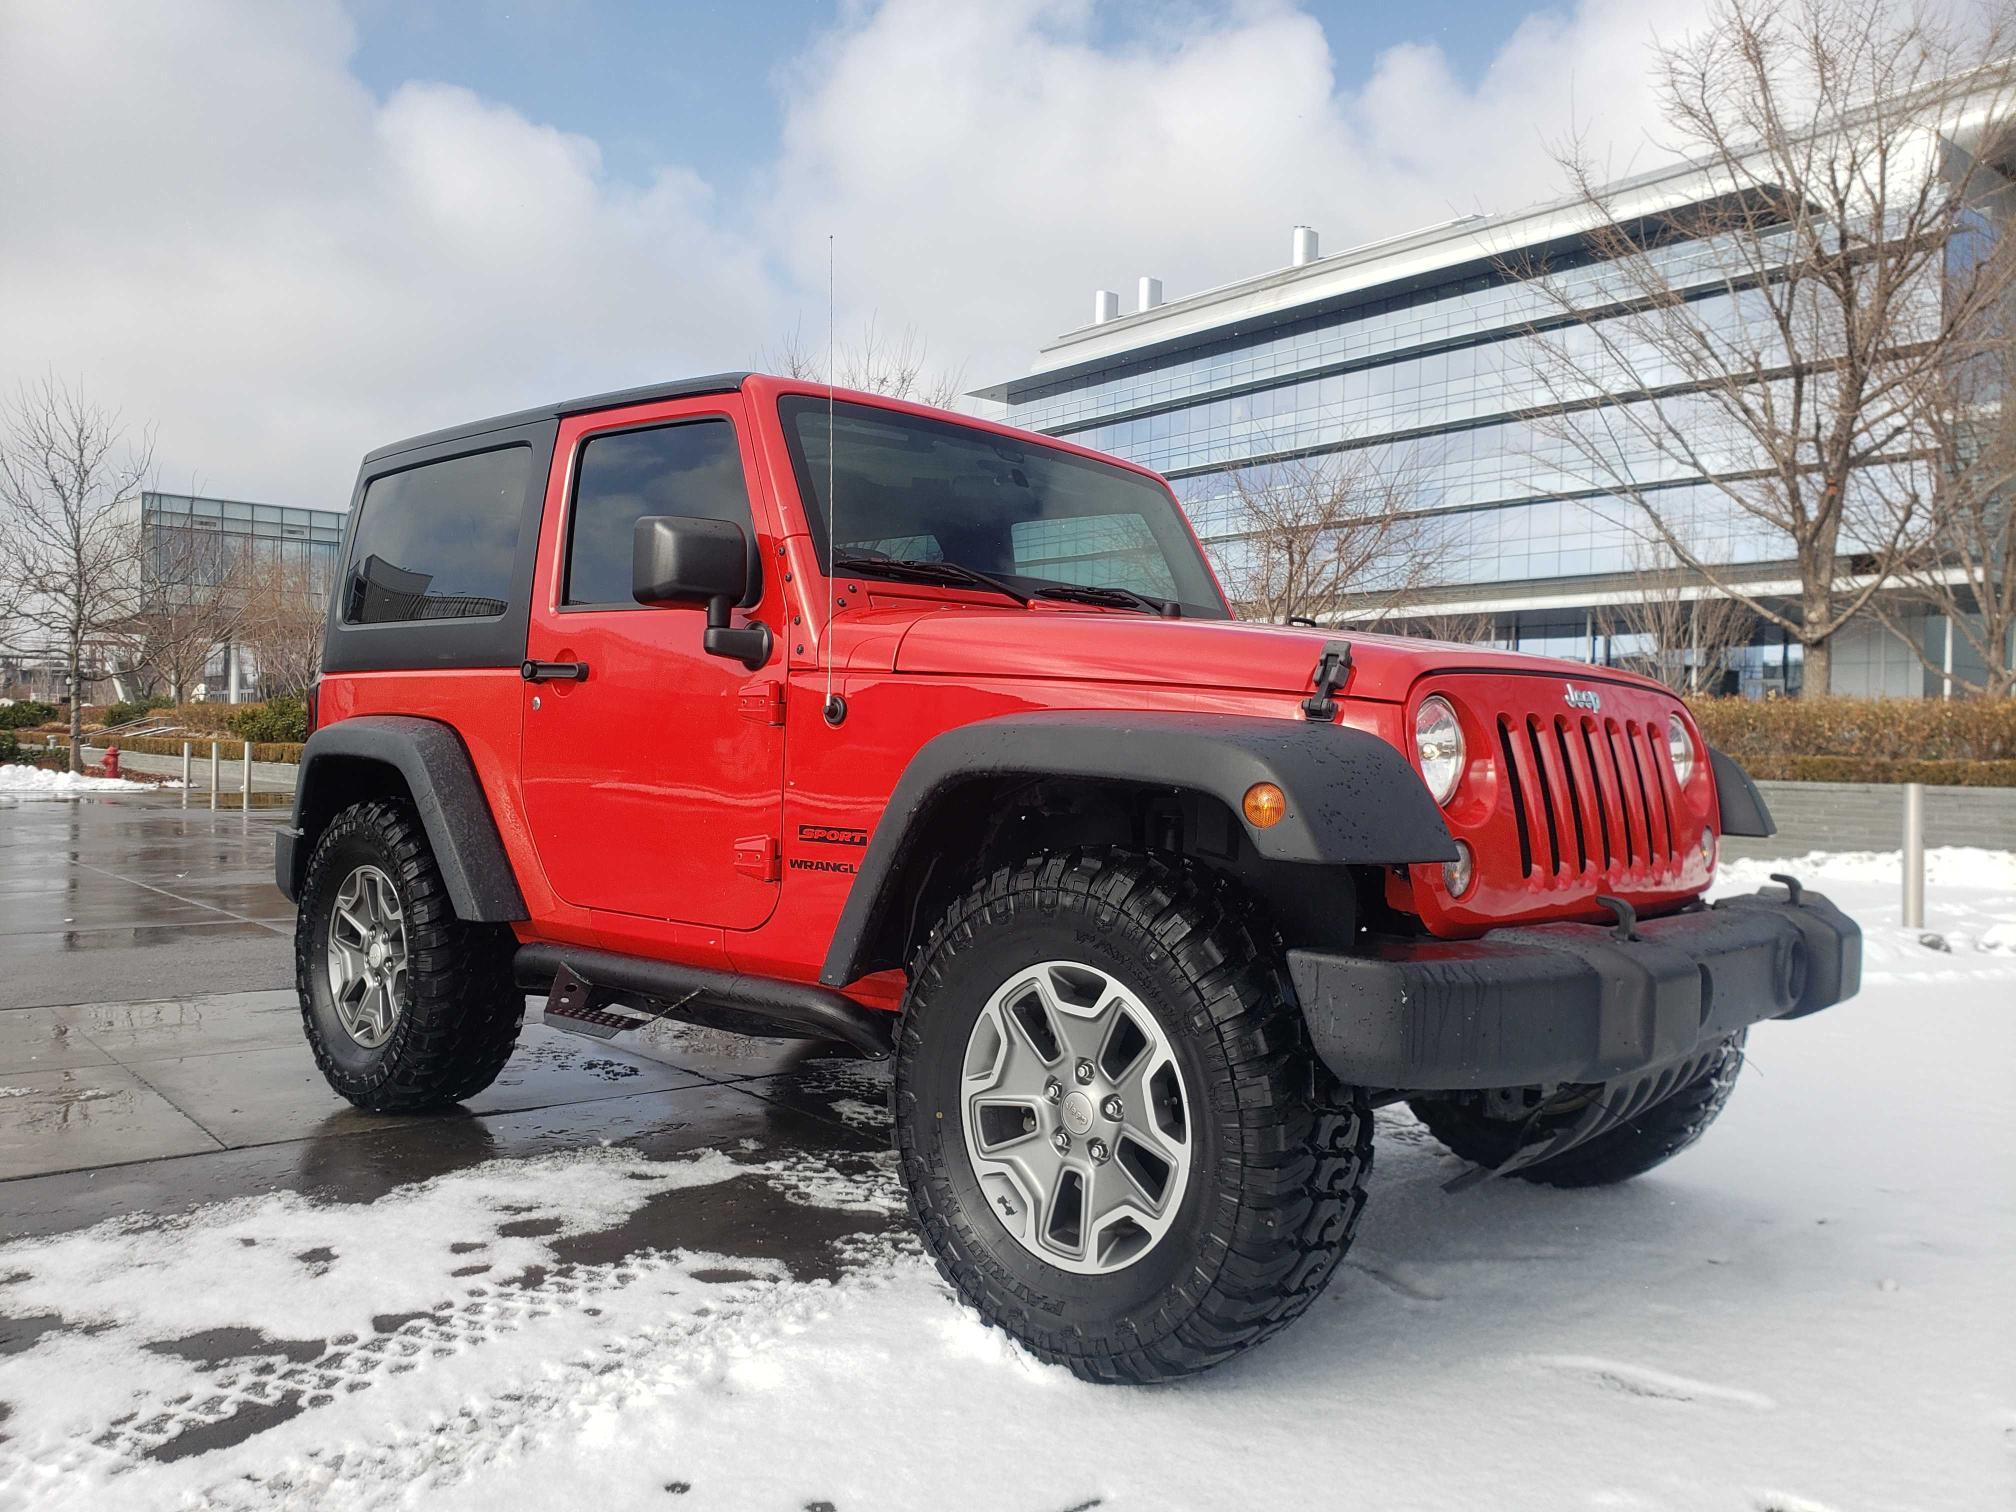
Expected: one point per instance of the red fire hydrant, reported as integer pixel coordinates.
(111, 761)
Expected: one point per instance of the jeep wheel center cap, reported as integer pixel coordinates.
(1077, 1112)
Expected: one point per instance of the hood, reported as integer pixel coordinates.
(1230, 654)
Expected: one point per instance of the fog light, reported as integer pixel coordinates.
(1456, 874)
(1708, 847)
(1265, 805)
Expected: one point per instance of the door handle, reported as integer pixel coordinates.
(545, 671)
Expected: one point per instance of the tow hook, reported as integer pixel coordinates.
(1627, 916)
(1794, 888)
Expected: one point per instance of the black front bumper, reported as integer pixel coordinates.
(1572, 1002)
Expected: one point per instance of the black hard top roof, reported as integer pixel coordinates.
(685, 388)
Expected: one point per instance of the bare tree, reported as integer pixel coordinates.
(286, 606)
(1780, 338)
(1457, 627)
(1962, 563)
(70, 536)
(1685, 636)
(874, 362)
(1318, 531)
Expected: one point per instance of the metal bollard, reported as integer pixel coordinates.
(185, 774)
(1914, 855)
(213, 774)
(246, 783)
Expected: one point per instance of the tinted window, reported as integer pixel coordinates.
(921, 489)
(690, 469)
(438, 541)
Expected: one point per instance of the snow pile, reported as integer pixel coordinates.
(1809, 1309)
(1946, 865)
(38, 782)
(1970, 902)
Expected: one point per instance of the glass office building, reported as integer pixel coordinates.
(1418, 348)
(190, 544)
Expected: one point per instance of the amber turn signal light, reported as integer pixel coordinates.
(1265, 805)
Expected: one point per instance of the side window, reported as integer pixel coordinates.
(690, 468)
(438, 541)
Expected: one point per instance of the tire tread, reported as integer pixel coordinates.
(1300, 1144)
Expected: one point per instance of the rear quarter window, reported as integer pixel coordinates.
(438, 541)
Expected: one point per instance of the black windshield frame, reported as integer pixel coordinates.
(1191, 582)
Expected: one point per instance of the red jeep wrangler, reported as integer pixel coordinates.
(738, 701)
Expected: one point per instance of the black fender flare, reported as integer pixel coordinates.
(1741, 809)
(435, 766)
(1352, 798)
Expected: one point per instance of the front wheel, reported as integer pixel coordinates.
(1117, 1142)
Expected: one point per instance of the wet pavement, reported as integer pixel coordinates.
(152, 1062)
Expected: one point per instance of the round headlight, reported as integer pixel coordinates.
(1438, 747)
(1680, 746)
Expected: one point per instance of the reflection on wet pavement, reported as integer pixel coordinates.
(126, 897)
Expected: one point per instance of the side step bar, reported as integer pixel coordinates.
(600, 977)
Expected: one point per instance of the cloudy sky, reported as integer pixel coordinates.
(283, 233)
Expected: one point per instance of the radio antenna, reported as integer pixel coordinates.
(835, 708)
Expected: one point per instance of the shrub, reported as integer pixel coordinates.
(1878, 730)
(10, 745)
(25, 714)
(282, 717)
(138, 708)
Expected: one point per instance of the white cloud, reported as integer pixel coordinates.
(208, 220)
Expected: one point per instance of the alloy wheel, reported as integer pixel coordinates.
(367, 956)
(1077, 1121)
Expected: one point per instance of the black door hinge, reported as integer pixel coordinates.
(1332, 668)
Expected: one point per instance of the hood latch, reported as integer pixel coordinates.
(1332, 668)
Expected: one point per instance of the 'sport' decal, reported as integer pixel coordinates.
(827, 834)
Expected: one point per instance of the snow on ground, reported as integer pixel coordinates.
(39, 782)
(1811, 1309)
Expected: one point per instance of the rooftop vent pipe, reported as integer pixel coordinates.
(1105, 306)
(1151, 293)
(1305, 246)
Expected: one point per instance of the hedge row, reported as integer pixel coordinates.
(208, 718)
(1875, 730)
(1977, 774)
(230, 750)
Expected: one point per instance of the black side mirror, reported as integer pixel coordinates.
(678, 559)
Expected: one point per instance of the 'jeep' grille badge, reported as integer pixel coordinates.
(1584, 698)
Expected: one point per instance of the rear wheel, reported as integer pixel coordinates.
(406, 1006)
(1472, 1129)
(1117, 1143)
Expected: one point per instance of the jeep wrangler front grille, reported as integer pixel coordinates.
(1588, 792)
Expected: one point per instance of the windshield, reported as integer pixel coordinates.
(916, 490)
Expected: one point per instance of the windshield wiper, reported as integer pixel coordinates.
(919, 571)
(1124, 598)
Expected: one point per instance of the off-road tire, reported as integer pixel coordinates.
(462, 1011)
(1280, 1150)
(1649, 1140)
